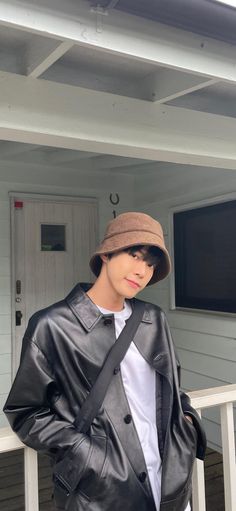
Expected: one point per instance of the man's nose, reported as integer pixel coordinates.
(141, 268)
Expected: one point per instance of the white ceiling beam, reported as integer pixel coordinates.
(46, 113)
(42, 54)
(167, 84)
(123, 34)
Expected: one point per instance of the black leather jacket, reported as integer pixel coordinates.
(63, 350)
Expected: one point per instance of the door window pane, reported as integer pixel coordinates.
(53, 237)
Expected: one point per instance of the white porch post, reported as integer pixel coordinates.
(198, 481)
(31, 480)
(228, 445)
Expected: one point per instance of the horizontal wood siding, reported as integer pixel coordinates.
(30, 178)
(206, 342)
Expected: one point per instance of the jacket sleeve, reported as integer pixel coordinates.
(33, 417)
(187, 408)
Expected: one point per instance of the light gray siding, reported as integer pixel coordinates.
(35, 179)
(206, 343)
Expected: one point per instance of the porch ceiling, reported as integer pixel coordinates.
(115, 87)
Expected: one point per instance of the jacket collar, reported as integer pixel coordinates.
(86, 311)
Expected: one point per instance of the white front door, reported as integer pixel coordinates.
(53, 241)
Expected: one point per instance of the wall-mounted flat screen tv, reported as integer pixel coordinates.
(205, 257)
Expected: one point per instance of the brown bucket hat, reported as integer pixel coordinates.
(130, 229)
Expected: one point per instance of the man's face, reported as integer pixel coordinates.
(127, 273)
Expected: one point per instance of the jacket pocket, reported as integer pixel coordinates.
(67, 471)
(179, 503)
(81, 467)
(94, 469)
(178, 459)
(64, 502)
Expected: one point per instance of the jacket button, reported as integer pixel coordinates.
(116, 370)
(107, 321)
(128, 418)
(142, 477)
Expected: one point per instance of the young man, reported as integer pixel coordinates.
(126, 459)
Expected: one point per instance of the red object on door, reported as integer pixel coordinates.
(18, 204)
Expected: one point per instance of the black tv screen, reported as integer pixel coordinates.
(205, 257)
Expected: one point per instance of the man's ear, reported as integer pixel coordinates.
(104, 258)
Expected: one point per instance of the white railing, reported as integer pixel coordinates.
(223, 397)
(10, 442)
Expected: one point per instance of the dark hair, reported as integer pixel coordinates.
(152, 255)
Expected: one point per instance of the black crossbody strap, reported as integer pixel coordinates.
(116, 354)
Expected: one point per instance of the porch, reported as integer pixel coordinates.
(213, 480)
(121, 102)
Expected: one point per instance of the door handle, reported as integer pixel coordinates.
(18, 318)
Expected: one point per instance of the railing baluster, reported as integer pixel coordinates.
(228, 446)
(31, 480)
(199, 498)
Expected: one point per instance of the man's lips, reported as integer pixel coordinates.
(133, 284)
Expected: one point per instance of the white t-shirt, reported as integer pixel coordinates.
(140, 387)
